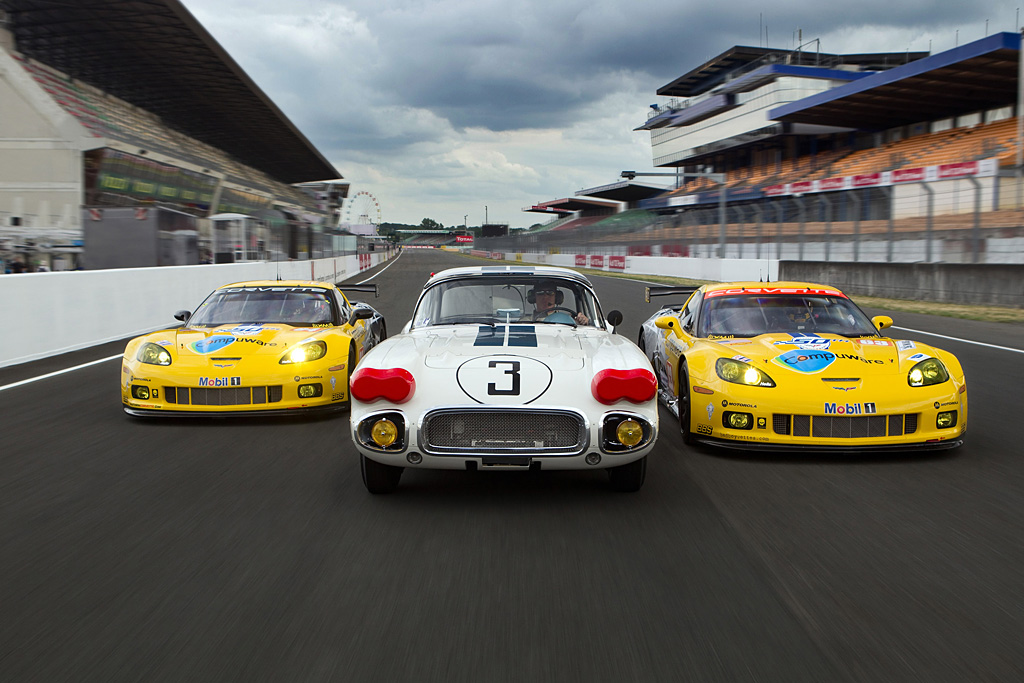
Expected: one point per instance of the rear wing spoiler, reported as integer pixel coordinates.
(359, 288)
(668, 291)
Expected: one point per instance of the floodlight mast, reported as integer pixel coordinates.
(714, 177)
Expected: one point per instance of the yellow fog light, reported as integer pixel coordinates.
(946, 420)
(140, 392)
(739, 420)
(384, 433)
(310, 390)
(629, 433)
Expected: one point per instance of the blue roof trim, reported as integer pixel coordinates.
(998, 41)
(770, 72)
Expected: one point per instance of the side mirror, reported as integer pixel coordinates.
(183, 316)
(881, 322)
(615, 318)
(361, 313)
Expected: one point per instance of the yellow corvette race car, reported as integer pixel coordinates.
(795, 365)
(253, 348)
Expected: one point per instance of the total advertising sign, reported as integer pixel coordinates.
(922, 174)
(464, 239)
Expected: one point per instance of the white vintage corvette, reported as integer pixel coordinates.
(482, 379)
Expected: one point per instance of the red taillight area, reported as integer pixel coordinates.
(392, 384)
(636, 385)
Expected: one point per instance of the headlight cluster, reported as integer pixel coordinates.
(927, 372)
(305, 353)
(153, 354)
(738, 372)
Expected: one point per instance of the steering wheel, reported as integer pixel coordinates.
(549, 311)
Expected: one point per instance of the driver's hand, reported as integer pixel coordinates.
(582, 319)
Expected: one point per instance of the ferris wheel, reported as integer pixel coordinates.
(362, 209)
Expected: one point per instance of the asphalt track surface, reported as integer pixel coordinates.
(248, 550)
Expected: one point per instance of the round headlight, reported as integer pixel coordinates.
(629, 433)
(153, 354)
(384, 432)
(306, 352)
(927, 372)
(739, 372)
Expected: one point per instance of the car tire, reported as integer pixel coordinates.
(683, 406)
(379, 478)
(630, 477)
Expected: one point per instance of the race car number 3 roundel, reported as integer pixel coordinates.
(504, 380)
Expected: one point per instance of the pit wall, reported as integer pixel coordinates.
(45, 314)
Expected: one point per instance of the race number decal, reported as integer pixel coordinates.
(504, 380)
(513, 371)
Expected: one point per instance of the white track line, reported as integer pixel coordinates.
(965, 341)
(381, 270)
(58, 372)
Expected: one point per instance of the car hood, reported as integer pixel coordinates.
(240, 341)
(813, 354)
(559, 346)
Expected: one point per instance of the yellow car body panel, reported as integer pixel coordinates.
(236, 368)
(821, 381)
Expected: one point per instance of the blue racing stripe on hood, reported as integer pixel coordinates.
(522, 335)
(490, 336)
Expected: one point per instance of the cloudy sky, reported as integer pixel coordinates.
(449, 108)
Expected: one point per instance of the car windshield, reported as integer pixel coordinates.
(296, 306)
(490, 300)
(747, 315)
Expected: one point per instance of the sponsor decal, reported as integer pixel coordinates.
(875, 342)
(743, 359)
(850, 409)
(337, 397)
(721, 336)
(762, 423)
(726, 404)
(919, 356)
(212, 344)
(946, 403)
(805, 361)
(853, 356)
(773, 290)
(318, 290)
(845, 388)
(164, 342)
(243, 330)
(807, 341)
(706, 430)
(334, 383)
(220, 381)
(711, 411)
(905, 344)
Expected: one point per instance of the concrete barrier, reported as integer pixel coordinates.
(957, 283)
(44, 314)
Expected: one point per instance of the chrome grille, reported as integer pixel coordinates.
(230, 396)
(464, 432)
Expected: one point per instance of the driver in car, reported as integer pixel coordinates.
(546, 298)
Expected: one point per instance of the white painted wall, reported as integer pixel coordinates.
(45, 314)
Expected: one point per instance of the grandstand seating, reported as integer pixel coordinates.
(106, 116)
